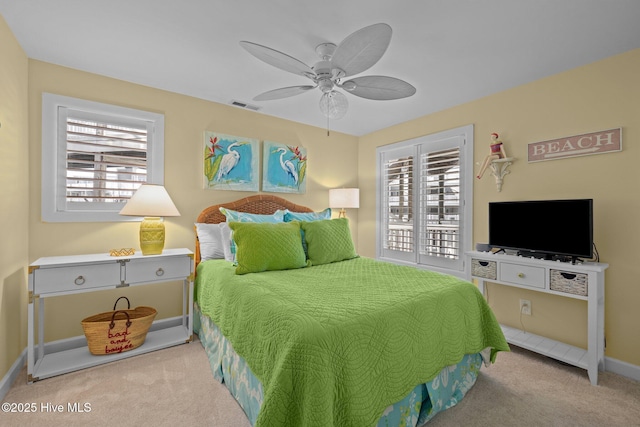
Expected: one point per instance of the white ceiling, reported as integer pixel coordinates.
(452, 51)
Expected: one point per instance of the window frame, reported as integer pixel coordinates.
(461, 137)
(54, 162)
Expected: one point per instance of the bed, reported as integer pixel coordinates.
(314, 335)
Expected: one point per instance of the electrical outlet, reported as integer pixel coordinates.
(525, 307)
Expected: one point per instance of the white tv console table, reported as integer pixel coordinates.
(583, 281)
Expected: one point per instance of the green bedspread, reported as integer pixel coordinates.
(336, 344)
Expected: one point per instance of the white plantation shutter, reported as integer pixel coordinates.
(106, 162)
(424, 193)
(440, 208)
(397, 201)
(95, 156)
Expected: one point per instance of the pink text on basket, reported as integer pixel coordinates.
(121, 342)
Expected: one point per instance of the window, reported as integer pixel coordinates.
(95, 156)
(425, 200)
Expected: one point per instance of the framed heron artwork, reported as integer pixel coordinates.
(284, 168)
(231, 162)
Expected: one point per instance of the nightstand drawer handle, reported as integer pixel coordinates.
(79, 280)
(521, 275)
(160, 272)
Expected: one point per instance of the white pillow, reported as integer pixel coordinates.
(225, 233)
(211, 241)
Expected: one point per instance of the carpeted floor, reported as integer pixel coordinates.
(174, 387)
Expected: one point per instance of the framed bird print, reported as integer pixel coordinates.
(231, 162)
(284, 168)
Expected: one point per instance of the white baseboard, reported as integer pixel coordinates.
(622, 368)
(12, 374)
(66, 344)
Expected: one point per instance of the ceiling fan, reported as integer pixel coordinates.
(355, 54)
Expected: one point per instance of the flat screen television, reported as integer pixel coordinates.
(550, 229)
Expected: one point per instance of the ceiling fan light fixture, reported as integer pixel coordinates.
(334, 105)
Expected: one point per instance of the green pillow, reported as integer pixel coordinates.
(231, 215)
(267, 246)
(306, 216)
(328, 240)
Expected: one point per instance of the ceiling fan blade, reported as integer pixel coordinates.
(359, 51)
(379, 87)
(283, 92)
(278, 59)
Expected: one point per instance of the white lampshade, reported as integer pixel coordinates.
(344, 198)
(150, 200)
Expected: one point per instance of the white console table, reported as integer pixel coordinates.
(583, 281)
(65, 275)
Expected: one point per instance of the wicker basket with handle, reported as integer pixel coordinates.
(118, 330)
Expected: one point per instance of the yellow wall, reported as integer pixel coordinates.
(186, 119)
(14, 198)
(595, 97)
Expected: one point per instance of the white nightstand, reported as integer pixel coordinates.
(65, 275)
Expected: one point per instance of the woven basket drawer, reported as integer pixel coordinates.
(569, 282)
(481, 268)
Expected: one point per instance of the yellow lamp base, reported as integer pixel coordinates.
(151, 235)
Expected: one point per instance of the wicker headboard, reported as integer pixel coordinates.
(264, 204)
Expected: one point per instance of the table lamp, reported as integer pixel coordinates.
(151, 202)
(344, 198)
